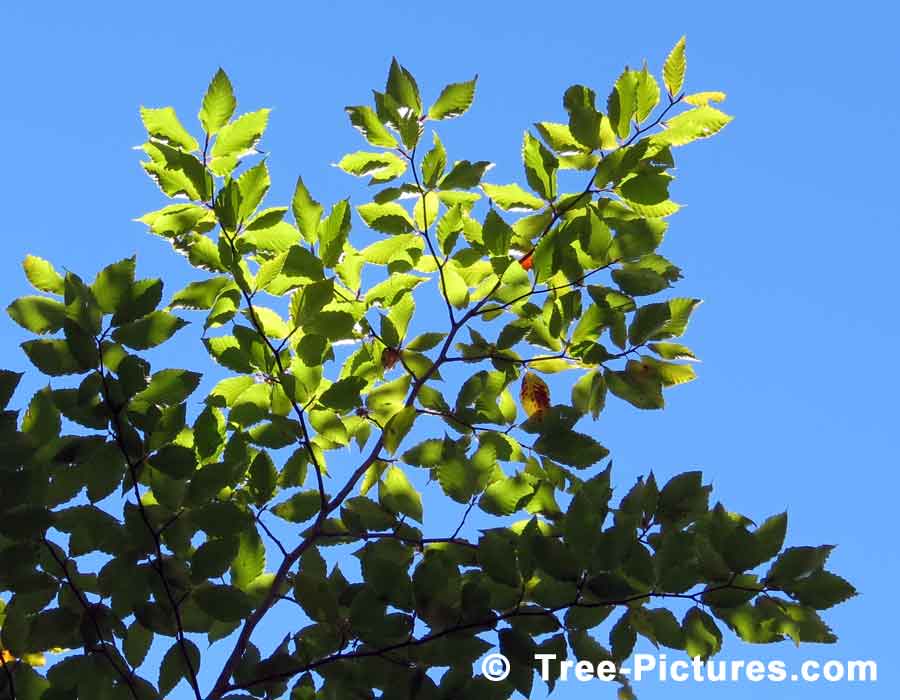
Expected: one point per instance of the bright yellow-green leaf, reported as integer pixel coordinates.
(218, 103)
(512, 197)
(398, 495)
(240, 137)
(700, 99)
(674, 67)
(454, 100)
(163, 124)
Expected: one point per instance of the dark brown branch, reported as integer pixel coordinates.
(126, 675)
(486, 624)
(115, 413)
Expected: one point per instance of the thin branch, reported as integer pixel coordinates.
(464, 518)
(272, 537)
(127, 675)
(421, 542)
(431, 249)
(222, 684)
(483, 625)
(115, 412)
(512, 360)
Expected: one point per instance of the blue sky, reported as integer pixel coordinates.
(789, 235)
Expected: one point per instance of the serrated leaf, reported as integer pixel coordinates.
(299, 507)
(241, 136)
(163, 124)
(174, 665)
(153, 329)
(369, 125)
(38, 314)
(218, 104)
(390, 217)
(42, 275)
(454, 100)
(398, 427)
(398, 495)
(674, 67)
(512, 197)
(169, 387)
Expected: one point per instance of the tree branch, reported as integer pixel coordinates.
(483, 625)
(115, 412)
(127, 675)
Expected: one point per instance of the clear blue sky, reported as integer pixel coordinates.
(790, 234)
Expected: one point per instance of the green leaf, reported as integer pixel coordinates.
(457, 291)
(142, 298)
(674, 67)
(225, 603)
(622, 103)
(571, 448)
(42, 275)
(175, 461)
(647, 322)
(697, 123)
(38, 314)
(213, 558)
(241, 136)
(586, 124)
(153, 329)
(333, 233)
(169, 387)
(382, 167)
(299, 507)
(639, 389)
(344, 394)
(454, 100)
(503, 496)
(252, 185)
(497, 556)
(398, 427)
(199, 295)
(401, 86)
(174, 666)
(8, 383)
(370, 126)
(42, 421)
(797, 562)
(425, 341)
(176, 172)
(433, 163)
(218, 103)
(512, 197)
(113, 285)
(701, 635)
(646, 94)
(540, 167)
(250, 560)
(137, 644)
(589, 393)
(163, 124)
(307, 212)
(398, 495)
(52, 357)
(821, 589)
(390, 217)
(770, 536)
(465, 175)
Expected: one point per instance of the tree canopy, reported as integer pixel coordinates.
(135, 512)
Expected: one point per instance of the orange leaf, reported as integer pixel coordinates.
(535, 394)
